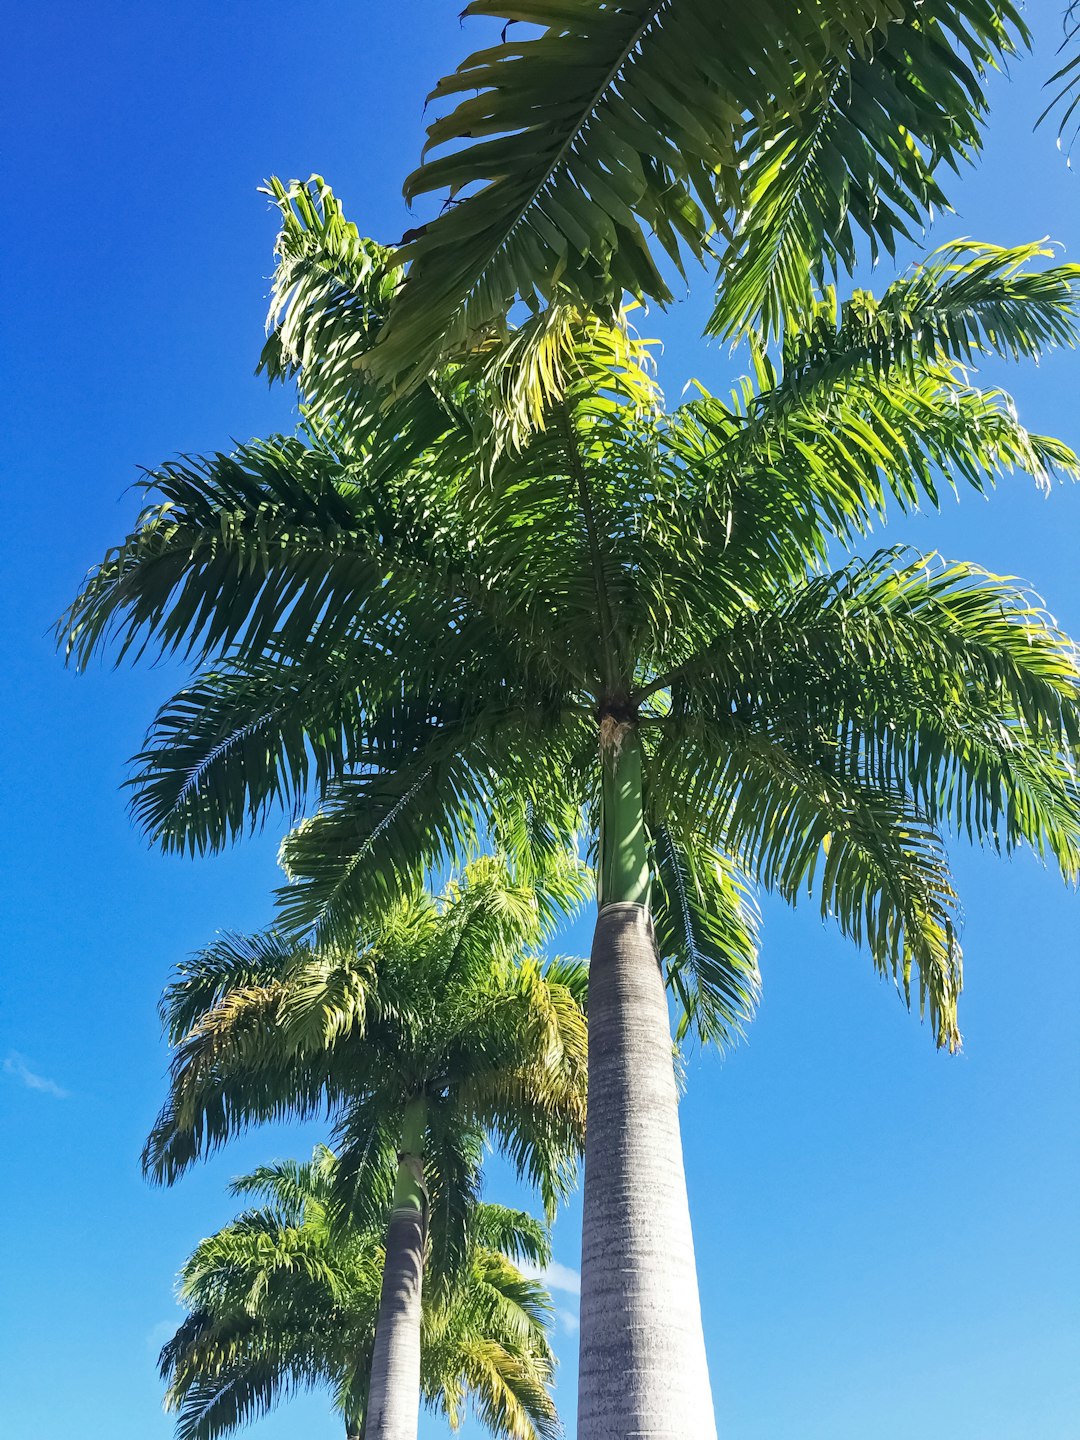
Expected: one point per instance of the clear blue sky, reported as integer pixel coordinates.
(888, 1238)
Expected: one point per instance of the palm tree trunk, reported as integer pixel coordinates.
(642, 1368)
(393, 1409)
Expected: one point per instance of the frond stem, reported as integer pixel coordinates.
(607, 624)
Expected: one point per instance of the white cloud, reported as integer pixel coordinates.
(554, 1276)
(15, 1064)
(569, 1321)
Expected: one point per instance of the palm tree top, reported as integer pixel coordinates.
(285, 1298)
(426, 611)
(444, 1000)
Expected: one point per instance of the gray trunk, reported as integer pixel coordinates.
(393, 1408)
(642, 1352)
(393, 1411)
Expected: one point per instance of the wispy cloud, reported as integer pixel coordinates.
(16, 1066)
(554, 1277)
(569, 1321)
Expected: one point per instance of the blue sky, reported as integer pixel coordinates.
(887, 1237)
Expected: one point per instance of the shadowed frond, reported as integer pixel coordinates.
(877, 865)
(273, 541)
(231, 963)
(707, 933)
(857, 158)
(1066, 97)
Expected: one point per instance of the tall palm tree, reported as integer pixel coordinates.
(286, 1297)
(770, 137)
(474, 611)
(432, 1036)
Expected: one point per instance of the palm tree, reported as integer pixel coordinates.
(473, 611)
(432, 1035)
(286, 1297)
(771, 138)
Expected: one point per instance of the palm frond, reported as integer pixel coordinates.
(935, 679)
(1066, 97)
(203, 563)
(292, 1186)
(379, 832)
(707, 932)
(231, 963)
(243, 740)
(795, 826)
(331, 292)
(963, 301)
(236, 1067)
(856, 158)
(796, 470)
(230, 1398)
(514, 1233)
(508, 1399)
(617, 124)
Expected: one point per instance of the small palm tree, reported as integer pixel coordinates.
(286, 1297)
(473, 611)
(432, 1036)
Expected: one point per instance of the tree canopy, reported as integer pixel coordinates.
(419, 612)
(285, 1297)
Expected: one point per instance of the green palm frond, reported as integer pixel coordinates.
(963, 301)
(878, 865)
(837, 456)
(231, 963)
(508, 1398)
(893, 697)
(378, 832)
(234, 1395)
(217, 560)
(233, 1069)
(856, 156)
(243, 740)
(559, 355)
(615, 125)
(707, 933)
(331, 293)
(779, 476)
(419, 814)
(514, 1233)
(959, 690)
(292, 1187)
